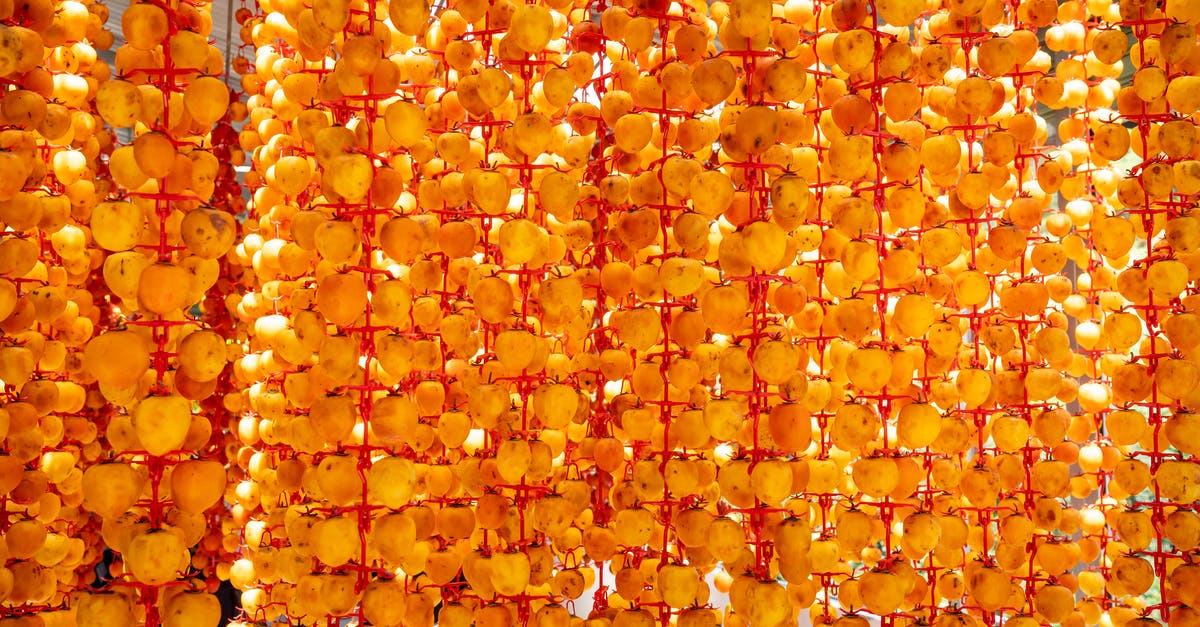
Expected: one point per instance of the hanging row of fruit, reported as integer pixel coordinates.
(575, 313)
(114, 462)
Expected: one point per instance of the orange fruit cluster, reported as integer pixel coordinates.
(855, 307)
(576, 312)
(109, 243)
